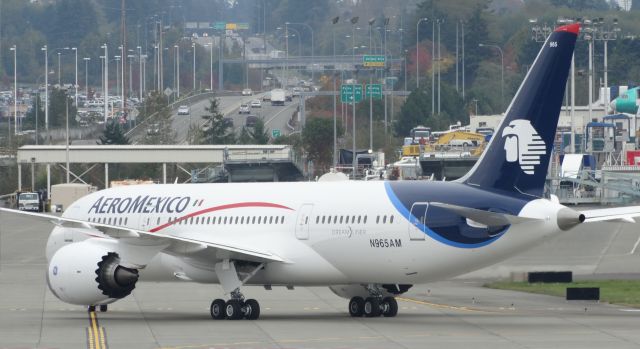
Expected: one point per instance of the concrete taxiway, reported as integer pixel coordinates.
(453, 314)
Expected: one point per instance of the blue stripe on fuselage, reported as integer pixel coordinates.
(442, 225)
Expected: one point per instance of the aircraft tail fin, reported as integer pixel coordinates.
(517, 157)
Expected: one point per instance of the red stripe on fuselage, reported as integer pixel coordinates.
(219, 208)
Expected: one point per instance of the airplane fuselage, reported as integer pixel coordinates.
(327, 232)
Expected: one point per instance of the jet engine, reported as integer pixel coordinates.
(89, 273)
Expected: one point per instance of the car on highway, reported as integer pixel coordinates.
(256, 103)
(244, 109)
(266, 97)
(153, 129)
(227, 122)
(183, 110)
(251, 121)
(247, 92)
(288, 96)
(296, 92)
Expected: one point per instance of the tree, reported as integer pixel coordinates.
(59, 103)
(158, 119)
(259, 134)
(315, 136)
(113, 134)
(217, 130)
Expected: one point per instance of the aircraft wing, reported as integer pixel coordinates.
(616, 214)
(488, 218)
(141, 237)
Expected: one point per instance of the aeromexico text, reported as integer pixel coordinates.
(141, 204)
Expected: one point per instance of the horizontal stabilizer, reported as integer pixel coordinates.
(488, 218)
(141, 237)
(616, 214)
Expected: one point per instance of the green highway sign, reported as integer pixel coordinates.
(373, 61)
(347, 93)
(220, 25)
(275, 133)
(373, 90)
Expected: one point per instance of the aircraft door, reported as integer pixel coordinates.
(303, 221)
(417, 220)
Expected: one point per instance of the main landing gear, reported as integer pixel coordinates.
(373, 306)
(237, 307)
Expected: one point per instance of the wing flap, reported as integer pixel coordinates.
(140, 237)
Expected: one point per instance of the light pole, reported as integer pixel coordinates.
(193, 46)
(106, 82)
(46, 88)
(130, 91)
(417, 51)
(75, 88)
(335, 127)
(86, 74)
(177, 70)
(210, 65)
(354, 163)
(117, 58)
(371, 22)
(123, 56)
(140, 71)
(501, 73)
(15, 90)
(59, 79)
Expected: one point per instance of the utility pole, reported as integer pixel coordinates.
(433, 71)
(371, 22)
(457, 24)
(462, 39)
(123, 33)
(439, 59)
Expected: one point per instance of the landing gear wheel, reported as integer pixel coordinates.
(103, 308)
(372, 307)
(389, 307)
(251, 309)
(356, 307)
(91, 308)
(218, 309)
(233, 309)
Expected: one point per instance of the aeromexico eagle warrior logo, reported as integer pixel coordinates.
(523, 144)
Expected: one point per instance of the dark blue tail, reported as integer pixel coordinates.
(517, 158)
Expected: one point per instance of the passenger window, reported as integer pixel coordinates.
(377, 219)
(340, 219)
(282, 220)
(253, 220)
(225, 219)
(157, 222)
(125, 220)
(353, 219)
(306, 220)
(365, 220)
(391, 219)
(359, 219)
(335, 219)
(241, 220)
(317, 219)
(323, 219)
(237, 220)
(271, 219)
(384, 219)
(259, 219)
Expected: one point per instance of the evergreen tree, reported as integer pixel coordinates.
(113, 134)
(30, 118)
(217, 130)
(259, 134)
(58, 109)
(316, 137)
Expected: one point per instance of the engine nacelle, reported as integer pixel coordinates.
(88, 273)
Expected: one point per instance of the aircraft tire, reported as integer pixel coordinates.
(233, 309)
(103, 308)
(356, 307)
(252, 309)
(372, 307)
(390, 306)
(218, 309)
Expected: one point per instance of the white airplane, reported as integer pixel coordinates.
(367, 241)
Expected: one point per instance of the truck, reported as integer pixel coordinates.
(29, 201)
(277, 97)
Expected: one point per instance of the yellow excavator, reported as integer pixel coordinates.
(460, 140)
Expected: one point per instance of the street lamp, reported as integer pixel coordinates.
(210, 45)
(335, 127)
(46, 88)
(177, 70)
(417, 51)
(86, 74)
(117, 58)
(15, 91)
(193, 47)
(354, 21)
(501, 72)
(140, 71)
(106, 82)
(75, 87)
(371, 22)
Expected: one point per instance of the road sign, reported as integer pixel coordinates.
(275, 133)
(373, 61)
(168, 92)
(220, 25)
(347, 93)
(374, 90)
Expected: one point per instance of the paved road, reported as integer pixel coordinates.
(451, 314)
